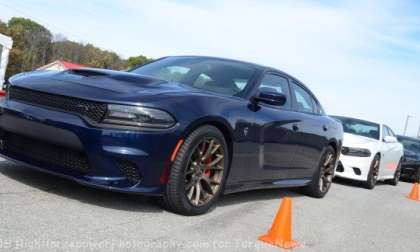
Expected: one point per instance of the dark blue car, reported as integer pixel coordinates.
(411, 160)
(184, 128)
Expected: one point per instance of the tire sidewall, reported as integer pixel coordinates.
(417, 176)
(313, 189)
(397, 175)
(370, 183)
(181, 161)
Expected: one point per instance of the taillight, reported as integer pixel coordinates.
(2, 93)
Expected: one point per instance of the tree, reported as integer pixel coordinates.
(137, 60)
(35, 46)
(31, 46)
(3, 27)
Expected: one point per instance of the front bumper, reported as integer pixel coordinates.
(355, 168)
(118, 160)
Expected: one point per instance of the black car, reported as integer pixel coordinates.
(411, 160)
(187, 129)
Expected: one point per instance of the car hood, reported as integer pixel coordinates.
(356, 140)
(97, 84)
(411, 154)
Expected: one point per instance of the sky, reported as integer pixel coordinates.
(360, 58)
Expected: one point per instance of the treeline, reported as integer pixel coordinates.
(35, 46)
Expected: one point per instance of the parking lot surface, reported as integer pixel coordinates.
(44, 213)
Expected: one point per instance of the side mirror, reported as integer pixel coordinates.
(272, 98)
(390, 139)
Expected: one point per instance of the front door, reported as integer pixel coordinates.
(390, 154)
(274, 127)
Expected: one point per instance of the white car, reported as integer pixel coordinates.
(370, 152)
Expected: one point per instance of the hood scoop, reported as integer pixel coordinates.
(115, 75)
(87, 72)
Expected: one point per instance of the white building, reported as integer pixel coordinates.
(5, 47)
(60, 65)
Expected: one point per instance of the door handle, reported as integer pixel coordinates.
(295, 127)
(325, 128)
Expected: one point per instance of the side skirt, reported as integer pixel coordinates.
(257, 185)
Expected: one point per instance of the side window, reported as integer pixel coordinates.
(390, 132)
(317, 107)
(303, 100)
(320, 109)
(202, 80)
(172, 73)
(276, 84)
(385, 132)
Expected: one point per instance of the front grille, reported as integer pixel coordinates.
(129, 170)
(44, 152)
(95, 111)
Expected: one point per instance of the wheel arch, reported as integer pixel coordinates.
(221, 124)
(334, 145)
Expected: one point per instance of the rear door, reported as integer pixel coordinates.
(310, 130)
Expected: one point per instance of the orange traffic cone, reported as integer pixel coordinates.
(280, 233)
(414, 194)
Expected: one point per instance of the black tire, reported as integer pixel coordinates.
(416, 175)
(175, 196)
(314, 188)
(372, 179)
(397, 176)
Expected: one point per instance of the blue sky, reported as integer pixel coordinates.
(361, 58)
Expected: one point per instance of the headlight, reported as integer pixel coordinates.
(138, 117)
(357, 152)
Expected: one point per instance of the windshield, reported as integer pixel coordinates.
(410, 144)
(220, 76)
(359, 127)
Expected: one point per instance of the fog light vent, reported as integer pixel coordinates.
(357, 171)
(340, 167)
(130, 170)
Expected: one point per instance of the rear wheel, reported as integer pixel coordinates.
(397, 175)
(198, 173)
(417, 176)
(373, 173)
(322, 179)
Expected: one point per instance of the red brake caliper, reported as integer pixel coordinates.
(207, 171)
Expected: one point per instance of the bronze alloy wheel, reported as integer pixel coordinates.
(323, 174)
(204, 172)
(327, 172)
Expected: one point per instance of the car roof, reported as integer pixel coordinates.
(407, 137)
(255, 65)
(360, 119)
(219, 58)
(259, 67)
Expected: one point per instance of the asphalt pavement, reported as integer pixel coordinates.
(40, 212)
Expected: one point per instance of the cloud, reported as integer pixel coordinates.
(357, 56)
(361, 58)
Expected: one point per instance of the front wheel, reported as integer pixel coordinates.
(397, 175)
(373, 173)
(198, 173)
(322, 179)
